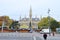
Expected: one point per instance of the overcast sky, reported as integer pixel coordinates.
(17, 8)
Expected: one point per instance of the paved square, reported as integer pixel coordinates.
(26, 36)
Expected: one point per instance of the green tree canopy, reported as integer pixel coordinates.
(53, 25)
(44, 22)
(59, 24)
(6, 19)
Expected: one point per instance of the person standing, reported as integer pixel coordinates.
(45, 36)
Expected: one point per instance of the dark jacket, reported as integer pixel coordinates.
(45, 36)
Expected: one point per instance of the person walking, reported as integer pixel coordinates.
(53, 34)
(45, 36)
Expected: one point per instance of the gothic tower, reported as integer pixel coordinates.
(30, 13)
(30, 18)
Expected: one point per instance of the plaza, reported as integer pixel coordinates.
(26, 36)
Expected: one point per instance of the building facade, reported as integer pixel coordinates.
(26, 21)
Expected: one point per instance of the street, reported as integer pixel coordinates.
(26, 36)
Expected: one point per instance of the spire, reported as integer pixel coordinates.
(40, 17)
(30, 12)
(30, 15)
(35, 16)
(25, 16)
(20, 18)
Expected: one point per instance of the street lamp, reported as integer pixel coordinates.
(2, 26)
(49, 20)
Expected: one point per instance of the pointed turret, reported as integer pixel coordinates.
(20, 18)
(30, 13)
(40, 17)
(36, 16)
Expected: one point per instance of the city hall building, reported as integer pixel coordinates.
(25, 21)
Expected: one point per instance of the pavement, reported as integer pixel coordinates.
(27, 36)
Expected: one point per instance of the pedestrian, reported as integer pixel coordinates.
(53, 34)
(45, 36)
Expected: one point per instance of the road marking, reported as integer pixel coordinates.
(34, 37)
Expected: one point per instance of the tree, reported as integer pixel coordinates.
(6, 19)
(59, 24)
(54, 24)
(44, 22)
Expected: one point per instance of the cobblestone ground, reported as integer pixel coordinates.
(27, 36)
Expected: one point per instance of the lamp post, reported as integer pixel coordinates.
(3, 24)
(49, 20)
